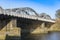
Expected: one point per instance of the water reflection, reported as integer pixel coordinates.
(49, 36)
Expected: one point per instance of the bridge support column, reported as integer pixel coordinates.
(43, 25)
(11, 24)
(12, 28)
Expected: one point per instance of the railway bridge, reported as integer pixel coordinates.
(18, 23)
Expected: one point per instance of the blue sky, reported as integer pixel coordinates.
(40, 6)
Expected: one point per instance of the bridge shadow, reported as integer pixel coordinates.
(4, 20)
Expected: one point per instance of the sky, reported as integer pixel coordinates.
(40, 6)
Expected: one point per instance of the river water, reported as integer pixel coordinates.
(48, 36)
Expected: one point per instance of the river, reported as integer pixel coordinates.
(48, 36)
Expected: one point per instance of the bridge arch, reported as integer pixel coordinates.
(27, 10)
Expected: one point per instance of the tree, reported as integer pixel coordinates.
(58, 13)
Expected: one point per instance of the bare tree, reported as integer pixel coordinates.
(58, 13)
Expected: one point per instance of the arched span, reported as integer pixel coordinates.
(45, 16)
(17, 10)
(22, 12)
(27, 10)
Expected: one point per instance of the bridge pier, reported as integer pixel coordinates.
(43, 25)
(9, 27)
(13, 31)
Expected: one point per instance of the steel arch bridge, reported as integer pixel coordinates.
(27, 11)
(21, 19)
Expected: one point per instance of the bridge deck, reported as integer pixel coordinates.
(28, 17)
